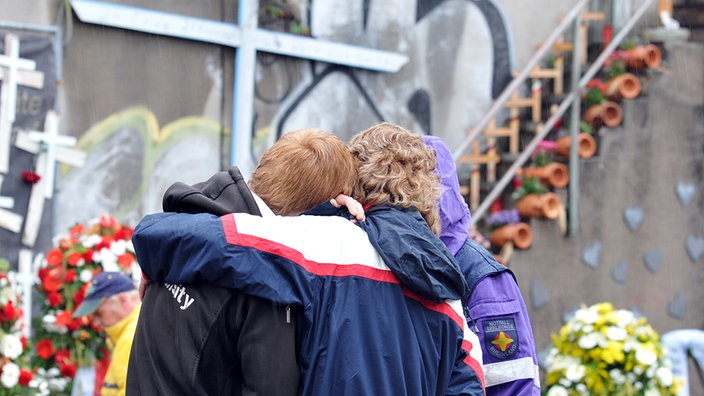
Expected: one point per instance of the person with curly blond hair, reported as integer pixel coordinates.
(380, 299)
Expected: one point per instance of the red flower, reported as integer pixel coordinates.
(8, 313)
(80, 294)
(30, 177)
(74, 325)
(62, 357)
(74, 258)
(105, 243)
(52, 278)
(67, 243)
(70, 276)
(108, 221)
(125, 261)
(54, 299)
(63, 318)
(68, 370)
(25, 377)
(54, 257)
(76, 230)
(88, 256)
(45, 349)
(23, 340)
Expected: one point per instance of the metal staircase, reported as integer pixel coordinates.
(482, 139)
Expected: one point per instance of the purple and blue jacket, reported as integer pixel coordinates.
(495, 306)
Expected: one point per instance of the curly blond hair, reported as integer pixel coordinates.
(396, 167)
(303, 169)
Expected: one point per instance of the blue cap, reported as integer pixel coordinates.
(105, 284)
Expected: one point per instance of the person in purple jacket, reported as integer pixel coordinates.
(495, 307)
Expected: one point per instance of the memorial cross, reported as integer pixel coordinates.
(14, 71)
(9, 220)
(249, 39)
(49, 147)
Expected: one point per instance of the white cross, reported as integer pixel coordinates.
(14, 71)
(46, 161)
(249, 39)
(50, 147)
(9, 220)
(28, 267)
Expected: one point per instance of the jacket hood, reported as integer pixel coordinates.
(225, 192)
(454, 213)
(419, 260)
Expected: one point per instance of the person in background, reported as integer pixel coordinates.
(200, 339)
(495, 306)
(113, 303)
(381, 309)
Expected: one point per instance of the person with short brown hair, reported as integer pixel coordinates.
(200, 339)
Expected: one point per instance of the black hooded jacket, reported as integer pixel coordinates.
(198, 339)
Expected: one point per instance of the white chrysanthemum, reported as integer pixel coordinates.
(49, 323)
(557, 391)
(118, 247)
(107, 259)
(664, 376)
(91, 240)
(588, 341)
(85, 276)
(638, 385)
(625, 316)
(646, 356)
(575, 372)
(617, 376)
(582, 389)
(630, 344)
(11, 346)
(586, 315)
(616, 333)
(10, 374)
(564, 382)
(652, 391)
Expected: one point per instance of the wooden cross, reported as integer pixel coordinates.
(9, 220)
(476, 159)
(248, 39)
(14, 71)
(27, 266)
(56, 149)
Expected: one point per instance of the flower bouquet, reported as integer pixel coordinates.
(604, 351)
(64, 343)
(16, 377)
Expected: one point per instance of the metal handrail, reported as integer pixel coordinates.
(573, 98)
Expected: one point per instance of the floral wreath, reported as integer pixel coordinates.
(16, 376)
(64, 343)
(604, 351)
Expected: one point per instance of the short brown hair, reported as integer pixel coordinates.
(303, 169)
(396, 167)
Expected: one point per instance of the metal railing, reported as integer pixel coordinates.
(571, 99)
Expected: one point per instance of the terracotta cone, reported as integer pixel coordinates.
(611, 114)
(586, 145)
(554, 173)
(644, 56)
(539, 205)
(626, 85)
(519, 234)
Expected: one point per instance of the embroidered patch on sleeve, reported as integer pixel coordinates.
(500, 337)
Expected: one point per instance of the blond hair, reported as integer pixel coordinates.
(303, 169)
(396, 167)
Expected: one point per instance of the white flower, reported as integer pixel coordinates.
(11, 346)
(10, 374)
(118, 247)
(49, 322)
(588, 341)
(617, 376)
(557, 391)
(616, 333)
(91, 240)
(85, 276)
(107, 259)
(646, 356)
(664, 376)
(652, 392)
(586, 315)
(575, 372)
